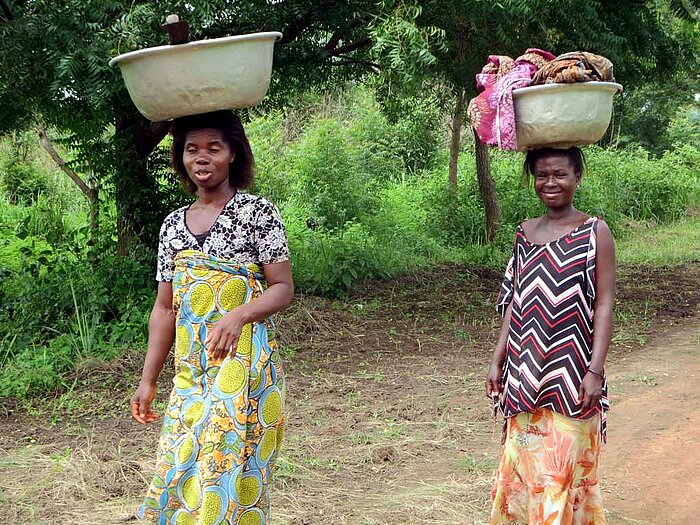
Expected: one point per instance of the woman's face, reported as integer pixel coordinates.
(207, 158)
(555, 180)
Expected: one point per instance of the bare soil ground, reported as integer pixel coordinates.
(388, 423)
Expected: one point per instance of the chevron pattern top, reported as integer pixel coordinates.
(552, 289)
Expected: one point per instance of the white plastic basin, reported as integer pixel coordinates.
(166, 82)
(563, 115)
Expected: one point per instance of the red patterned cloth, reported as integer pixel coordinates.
(491, 112)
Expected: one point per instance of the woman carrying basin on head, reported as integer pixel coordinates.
(223, 270)
(548, 368)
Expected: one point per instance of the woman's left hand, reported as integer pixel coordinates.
(591, 391)
(223, 336)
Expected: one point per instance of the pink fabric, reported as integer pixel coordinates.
(491, 112)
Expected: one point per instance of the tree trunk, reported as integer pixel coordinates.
(487, 187)
(139, 206)
(89, 190)
(63, 165)
(94, 216)
(456, 138)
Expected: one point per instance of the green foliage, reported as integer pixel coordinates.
(418, 126)
(401, 42)
(345, 148)
(684, 127)
(21, 181)
(355, 210)
(657, 115)
(631, 184)
(70, 86)
(32, 370)
(328, 173)
(618, 185)
(265, 135)
(330, 261)
(643, 39)
(62, 300)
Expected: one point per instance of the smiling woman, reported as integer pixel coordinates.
(548, 369)
(557, 175)
(223, 270)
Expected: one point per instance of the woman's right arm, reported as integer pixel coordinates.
(161, 334)
(493, 380)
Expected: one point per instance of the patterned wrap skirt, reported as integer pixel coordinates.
(548, 473)
(224, 422)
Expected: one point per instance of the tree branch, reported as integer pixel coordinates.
(362, 42)
(346, 61)
(48, 146)
(297, 26)
(7, 12)
(335, 39)
(692, 11)
(148, 135)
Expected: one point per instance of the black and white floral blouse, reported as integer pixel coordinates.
(249, 229)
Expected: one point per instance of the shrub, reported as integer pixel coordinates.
(272, 178)
(636, 186)
(325, 170)
(329, 262)
(418, 132)
(21, 180)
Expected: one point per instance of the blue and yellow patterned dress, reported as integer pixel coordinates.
(224, 422)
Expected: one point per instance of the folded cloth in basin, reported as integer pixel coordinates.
(491, 112)
(576, 66)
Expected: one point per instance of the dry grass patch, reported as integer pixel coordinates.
(90, 485)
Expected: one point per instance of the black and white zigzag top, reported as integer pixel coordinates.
(552, 289)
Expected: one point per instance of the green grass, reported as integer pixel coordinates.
(668, 244)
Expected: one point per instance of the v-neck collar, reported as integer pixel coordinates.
(213, 225)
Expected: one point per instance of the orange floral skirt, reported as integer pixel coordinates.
(548, 473)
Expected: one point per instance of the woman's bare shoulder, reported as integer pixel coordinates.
(530, 225)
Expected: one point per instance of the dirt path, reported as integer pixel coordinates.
(651, 465)
(387, 420)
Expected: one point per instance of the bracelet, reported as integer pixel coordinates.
(597, 373)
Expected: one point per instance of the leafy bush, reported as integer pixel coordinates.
(418, 130)
(331, 261)
(272, 177)
(636, 186)
(59, 305)
(21, 180)
(329, 176)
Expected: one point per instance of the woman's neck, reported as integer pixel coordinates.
(216, 196)
(561, 214)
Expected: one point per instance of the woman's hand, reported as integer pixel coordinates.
(591, 391)
(141, 403)
(223, 337)
(161, 334)
(493, 380)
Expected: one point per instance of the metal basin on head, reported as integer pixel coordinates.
(167, 82)
(563, 115)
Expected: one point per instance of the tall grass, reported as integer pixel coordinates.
(674, 243)
(85, 332)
